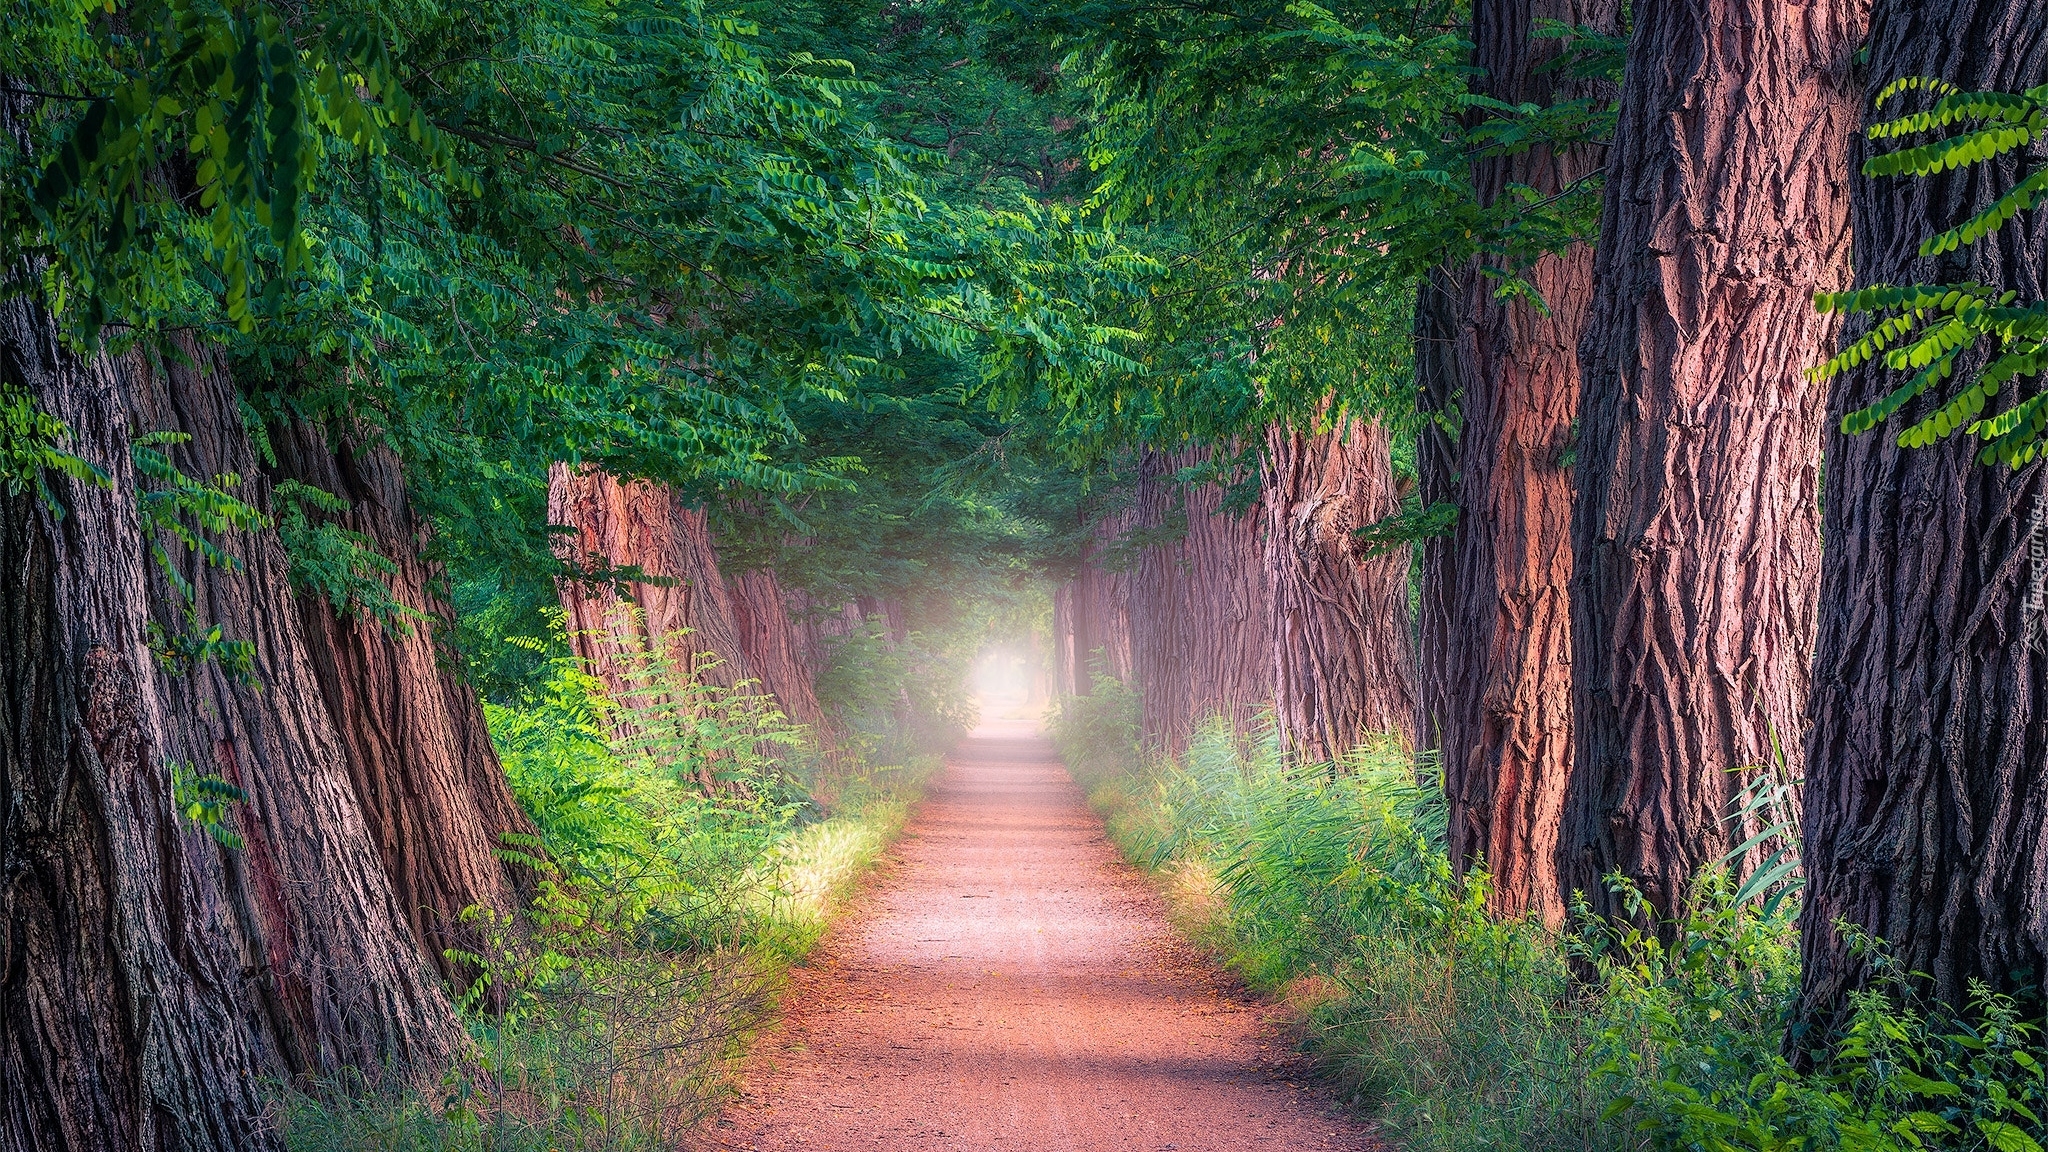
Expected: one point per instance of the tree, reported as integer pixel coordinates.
(1697, 526)
(1198, 604)
(1342, 651)
(1924, 795)
(1499, 709)
(422, 764)
(199, 901)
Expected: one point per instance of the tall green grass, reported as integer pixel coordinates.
(685, 859)
(1328, 887)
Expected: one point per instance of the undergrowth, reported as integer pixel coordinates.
(1327, 887)
(692, 845)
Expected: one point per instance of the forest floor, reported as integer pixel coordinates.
(1008, 983)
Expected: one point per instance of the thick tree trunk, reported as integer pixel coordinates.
(643, 525)
(152, 977)
(771, 647)
(1198, 610)
(122, 1010)
(1092, 614)
(819, 628)
(1506, 745)
(1697, 529)
(421, 761)
(1342, 650)
(1068, 677)
(343, 979)
(1926, 797)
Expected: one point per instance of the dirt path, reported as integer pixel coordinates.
(1011, 985)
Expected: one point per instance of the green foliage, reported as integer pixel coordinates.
(249, 95)
(606, 1015)
(29, 439)
(204, 800)
(337, 564)
(1293, 169)
(1411, 525)
(1927, 329)
(189, 512)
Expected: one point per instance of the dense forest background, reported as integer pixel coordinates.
(502, 501)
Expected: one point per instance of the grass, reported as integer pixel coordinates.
(1327, 887)
(610, 1014)
(1329, 893)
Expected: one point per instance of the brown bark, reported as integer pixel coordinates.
(1440, 698)
(819, 628)
(1343, 654)
(642, 524)
(1092, 612)
(1505, 719)
(343, 982)
(1926, 797)
(1698, 522)
(419, 757)
(121, 1015)
(151, 977)
(771, 646)
(1200, 637)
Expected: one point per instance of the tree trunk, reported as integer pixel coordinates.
(772, 648)
(122, 1011)
(1697, 529)
(1200, 637)
(1343, 654)
(346, 983)
(1442, 703)
(1925, 792)
(419, 756)
(151, 977)
(1506, 744)
(643, 524)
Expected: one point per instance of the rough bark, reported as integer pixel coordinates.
(151, 977)
(1926, 797)
(422, 764)
(1092, 612)
(1506, 737)
(642, 524)
(1198, 608)
(771, 646)
(1342, 648)
(1697, 529)
(342, 981)
(121, 1014)
(1441, 701)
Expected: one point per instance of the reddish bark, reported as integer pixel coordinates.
(1698, 521)
(771, 646)
(1092, 623)
(1503, 717)
(152, 977)
(1343, 655)
(1198, 608)
(1926, 799)
(420, 759)
(643, 525)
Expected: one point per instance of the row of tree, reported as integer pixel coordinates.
(1631, 595)
(324, 322)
